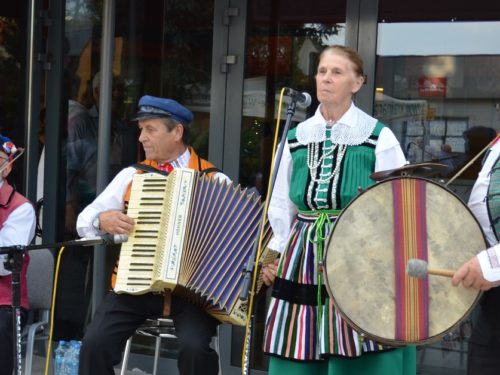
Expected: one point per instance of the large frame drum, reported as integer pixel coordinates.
(368, 249)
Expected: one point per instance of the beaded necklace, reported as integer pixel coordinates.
(314, 160)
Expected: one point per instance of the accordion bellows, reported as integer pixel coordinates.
(193, 235)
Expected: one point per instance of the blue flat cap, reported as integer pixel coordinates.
(154, 107)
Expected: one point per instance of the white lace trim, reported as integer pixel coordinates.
(314, 129)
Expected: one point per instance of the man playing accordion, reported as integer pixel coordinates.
(164, 130)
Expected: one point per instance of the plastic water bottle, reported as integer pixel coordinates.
(60, 352)
(71, 361)
(76, 358)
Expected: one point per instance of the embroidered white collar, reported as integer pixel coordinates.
(352, 129)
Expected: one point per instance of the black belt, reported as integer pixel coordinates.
(301, 294)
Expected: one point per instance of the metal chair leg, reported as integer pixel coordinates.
(30, 342)
(217, 347)
(157, 354)
(126, 355)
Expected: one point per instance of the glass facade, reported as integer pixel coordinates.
(12, 70)
(283, 42)
(434, 67)
(440, 98)
(437, 90)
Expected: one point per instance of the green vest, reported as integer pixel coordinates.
(357, 163)
(493, 198)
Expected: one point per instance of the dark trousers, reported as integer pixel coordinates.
(120, 315)
(7, 339)
(483, 357)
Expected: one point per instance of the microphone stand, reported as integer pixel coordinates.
(249, 267)
(14, 263)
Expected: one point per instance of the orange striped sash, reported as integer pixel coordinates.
(410, 241)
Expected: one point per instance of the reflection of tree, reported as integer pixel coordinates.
(279, 59)
(82, 11)
(319, 33)
(251, 151)
(279, 55)
(187, 41)
(10, 71)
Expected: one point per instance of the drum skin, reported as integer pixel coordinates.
(359, 261)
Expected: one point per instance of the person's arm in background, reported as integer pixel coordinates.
(81, 154)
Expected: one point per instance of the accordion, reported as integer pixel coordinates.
(193, 235)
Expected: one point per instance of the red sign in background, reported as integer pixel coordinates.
(432, 86)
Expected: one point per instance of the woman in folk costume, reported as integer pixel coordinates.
(326, 159)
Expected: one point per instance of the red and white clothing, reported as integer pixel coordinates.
(17, 227)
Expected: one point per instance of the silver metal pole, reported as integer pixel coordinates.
(31, 106)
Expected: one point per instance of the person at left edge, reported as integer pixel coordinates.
(482, 272)
(17, 227)
(164, 127)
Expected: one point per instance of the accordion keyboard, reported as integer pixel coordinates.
(137, 255)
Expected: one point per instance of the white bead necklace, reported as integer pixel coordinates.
(313, 162)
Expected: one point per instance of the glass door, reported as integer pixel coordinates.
(162, 48)
(283, 42)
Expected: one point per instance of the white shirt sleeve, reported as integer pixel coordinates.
(281, 211)
(18, 229)
(489, 260)
(388, 151)
(110, 199)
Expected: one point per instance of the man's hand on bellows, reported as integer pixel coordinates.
(115, 222)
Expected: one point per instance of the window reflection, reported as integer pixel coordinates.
(163, 48)
(440, 98)
(11, 90)
(277, 56)
(438, 91)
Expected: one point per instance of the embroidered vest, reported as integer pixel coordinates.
(490, 302)
(357, 163)
(493, 198)
(5, 281)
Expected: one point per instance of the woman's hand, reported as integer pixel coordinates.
(269, 272)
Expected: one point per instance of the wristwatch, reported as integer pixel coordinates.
(96, 223)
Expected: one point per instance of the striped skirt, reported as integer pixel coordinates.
(302, 323)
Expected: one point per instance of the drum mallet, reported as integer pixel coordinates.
(418, 268)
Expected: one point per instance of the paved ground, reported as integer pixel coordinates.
(432, 360)
(39, 368)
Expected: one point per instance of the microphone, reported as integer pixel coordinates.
(105, 239)
(419, 268)
(302, 98)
